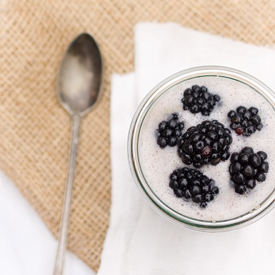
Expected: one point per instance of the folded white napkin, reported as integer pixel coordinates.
(139, 241)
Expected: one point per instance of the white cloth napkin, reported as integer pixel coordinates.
(26, 246)
(139, 241)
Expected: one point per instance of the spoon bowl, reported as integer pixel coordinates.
(78, 91)
(80, 76)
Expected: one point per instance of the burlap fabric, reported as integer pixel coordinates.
(35, 130)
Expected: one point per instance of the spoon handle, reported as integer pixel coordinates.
(64, 223)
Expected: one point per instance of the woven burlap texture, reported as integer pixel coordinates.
(35, 130)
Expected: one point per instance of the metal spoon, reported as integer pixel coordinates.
(78, 91)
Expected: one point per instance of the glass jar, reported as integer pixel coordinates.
(133, 150)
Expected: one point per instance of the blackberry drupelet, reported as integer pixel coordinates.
(189, 184)
(206, 143)
(245, 121)
(198, 99)
(169, 131)
(246, 168)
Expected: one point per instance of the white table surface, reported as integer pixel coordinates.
(26, 245)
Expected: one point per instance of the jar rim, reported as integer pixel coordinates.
(156, 203)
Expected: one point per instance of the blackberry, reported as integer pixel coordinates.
(206, 143)
(246, 168)
(191, 184)
(198, 100)
(169, 131)
(245, 121)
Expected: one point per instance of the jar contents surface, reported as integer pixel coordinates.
(158, 163)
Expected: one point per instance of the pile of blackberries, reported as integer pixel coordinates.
(246, 168)
(192, 184)
(206, 143)
(245, 121)
(209, 143)
(198, 99)
(169, 131)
